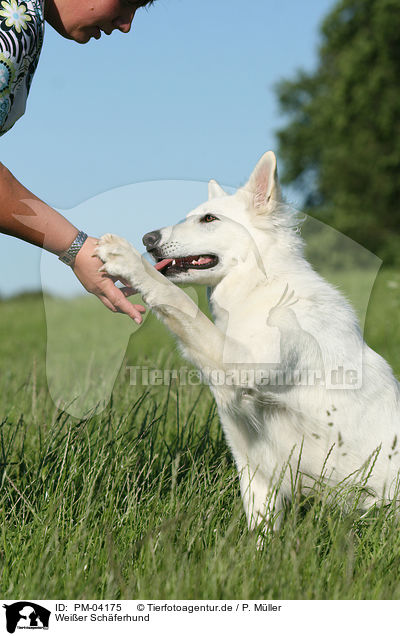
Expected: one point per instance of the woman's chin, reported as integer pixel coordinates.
(83, 36)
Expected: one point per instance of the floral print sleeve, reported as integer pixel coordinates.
(21, 38)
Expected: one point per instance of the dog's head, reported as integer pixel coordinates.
(222, 233)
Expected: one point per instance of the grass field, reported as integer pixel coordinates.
(142, 499)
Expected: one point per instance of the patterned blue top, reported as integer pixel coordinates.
(21, 39)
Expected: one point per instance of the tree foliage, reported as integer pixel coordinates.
(341, 144)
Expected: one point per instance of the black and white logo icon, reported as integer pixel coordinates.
(26, 615)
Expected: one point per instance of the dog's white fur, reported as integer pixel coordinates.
(271, 309)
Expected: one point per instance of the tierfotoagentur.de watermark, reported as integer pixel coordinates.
(243, 377)
(83, 364)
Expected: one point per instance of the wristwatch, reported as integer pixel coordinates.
(68, 257)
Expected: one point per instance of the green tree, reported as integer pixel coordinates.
(341, 144)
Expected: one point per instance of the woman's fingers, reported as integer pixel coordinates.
(118, 300)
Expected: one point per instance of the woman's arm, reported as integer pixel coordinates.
(26, 217)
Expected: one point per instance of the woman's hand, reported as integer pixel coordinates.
(86, 269)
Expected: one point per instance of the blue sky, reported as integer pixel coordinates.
(186, 96)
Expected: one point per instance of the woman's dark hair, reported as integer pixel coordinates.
(143, 3)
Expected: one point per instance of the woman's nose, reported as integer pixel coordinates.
(124, 22)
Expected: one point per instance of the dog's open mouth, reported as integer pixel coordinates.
(173, 265)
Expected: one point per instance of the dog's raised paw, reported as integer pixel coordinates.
(117, 254)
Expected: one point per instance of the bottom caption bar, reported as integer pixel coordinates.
(149, 617)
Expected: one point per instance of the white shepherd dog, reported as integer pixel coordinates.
(296, 386)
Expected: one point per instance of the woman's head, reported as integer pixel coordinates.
(80, 20)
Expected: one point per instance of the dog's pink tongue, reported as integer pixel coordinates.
(161, 264)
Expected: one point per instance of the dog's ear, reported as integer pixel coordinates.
(215, 190)
(263, 183)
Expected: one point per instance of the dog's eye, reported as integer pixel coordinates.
(208, 218)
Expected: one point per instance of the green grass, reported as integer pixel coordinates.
(142, 499)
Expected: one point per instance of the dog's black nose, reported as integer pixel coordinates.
(151, 239)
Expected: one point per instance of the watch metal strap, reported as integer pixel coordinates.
(68, 257)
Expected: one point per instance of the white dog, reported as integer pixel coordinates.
(297, 388)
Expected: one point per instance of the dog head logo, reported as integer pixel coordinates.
(26, 615)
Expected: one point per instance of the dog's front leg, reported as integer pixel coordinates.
(262, 504)
(202, 342)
